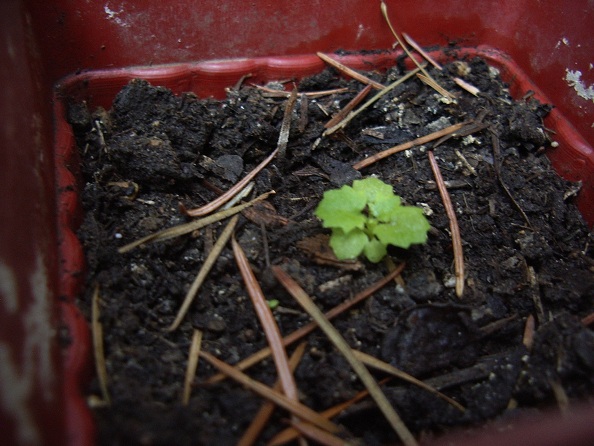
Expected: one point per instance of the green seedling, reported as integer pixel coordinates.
(367, 217)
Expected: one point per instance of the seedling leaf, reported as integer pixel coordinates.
(367, 217)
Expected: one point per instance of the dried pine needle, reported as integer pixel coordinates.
(258, 423)
(97, 334)
(192, 365)
(433, 83)
(372, 361)
(407, 145)
(420, 50)
(350, 72)
(218, 202)
(454, 228)
(348, 108)
(269, 325)
(308, 328)
(336, 338)
(186, 228)
(206, 267)
(264, 391)
(342, 124)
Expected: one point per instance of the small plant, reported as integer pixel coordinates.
(367, 217)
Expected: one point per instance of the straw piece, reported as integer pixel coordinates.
(186, 228)
(350, 72)
(206, 267)
(466, 86)
(283, 137)
(264, 391)
(335, 337)
(192, 365)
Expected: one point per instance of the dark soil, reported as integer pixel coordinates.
(154, 150)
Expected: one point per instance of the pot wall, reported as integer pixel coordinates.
(43, 41)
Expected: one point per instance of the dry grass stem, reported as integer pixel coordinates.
(271, 330)
(283, 137)
(466, 86)
(375, 363)
(308, 328)
(454, 228)
(335, 337)
(186, 228)
(192, 365)
(342, 124)
(271, 92)
(350, 72)
(243, 193)
(97, 334)
(407, 145)
(218, 202)
(206, 267)
(420, 50)
(264, 391)
(348, 108)
(252, 433)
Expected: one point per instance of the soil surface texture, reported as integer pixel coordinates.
(527, 254)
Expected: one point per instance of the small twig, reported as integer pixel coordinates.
(97, 334)
(192, 226)
(192, 365)
(206, 267)
(462, 158)
(283, 137)
(420, 50)
(407, 145)
(348, 108)
(342, 124)
(270, 92)
(454, 228)
(218, 202)
(258, 423)
(264, 391)
(308, 328)
(339, 342)
(350, 72)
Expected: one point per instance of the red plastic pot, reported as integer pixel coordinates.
(44, 360)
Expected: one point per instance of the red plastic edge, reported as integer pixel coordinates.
(573, 159)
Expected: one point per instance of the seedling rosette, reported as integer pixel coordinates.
(367, 217)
